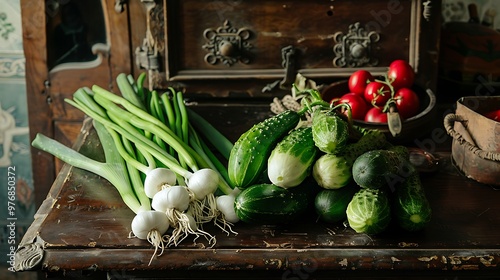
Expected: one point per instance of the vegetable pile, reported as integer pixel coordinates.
(159, 156)
(314, 155)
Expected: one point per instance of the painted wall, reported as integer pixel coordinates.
(16, 192)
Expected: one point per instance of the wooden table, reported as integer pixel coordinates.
(81, 230)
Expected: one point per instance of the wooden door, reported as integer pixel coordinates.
(50, 82)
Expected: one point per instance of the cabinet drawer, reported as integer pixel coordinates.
(266, 40)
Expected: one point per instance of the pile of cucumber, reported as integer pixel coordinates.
(285, 167)
(390, 188)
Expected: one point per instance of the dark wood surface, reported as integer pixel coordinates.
(81, 230)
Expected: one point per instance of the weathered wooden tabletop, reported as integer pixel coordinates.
(82, 229)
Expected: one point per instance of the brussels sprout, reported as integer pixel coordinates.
(332, 171)
(369, 211)
(330, 132)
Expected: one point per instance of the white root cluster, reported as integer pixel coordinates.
(226, 215)
(151, 225)
(185, 214)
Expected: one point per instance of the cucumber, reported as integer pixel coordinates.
(291, 160)
(369, 211)
(330, 132)
(248, 157)
(270, 204)
(379, 169)
(333, 171)
(331, 205)
(412, 209)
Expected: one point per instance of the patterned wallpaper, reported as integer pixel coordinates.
(16, 193)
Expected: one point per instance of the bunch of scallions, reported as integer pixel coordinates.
(159, 157)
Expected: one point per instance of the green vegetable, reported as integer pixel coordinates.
(370, 140)
(411, 206)
(114, 168)
(369, 211)
(291, 160)
(330, 132)
(135, 132)
(333, 171)
(138, 127)
(212, 135)
(127, 91)
(249, 155)
(270, 204)
(331, 205)
(138, 144)
(401, 150)
(378, 169)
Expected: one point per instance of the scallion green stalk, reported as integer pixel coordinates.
(192, 159)
(128, 92)
(210, 133)
(113, 169)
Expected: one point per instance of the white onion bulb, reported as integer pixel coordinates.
(147, 221)
(174, 197)
(225, 204)
(157, 179)
(203, 182)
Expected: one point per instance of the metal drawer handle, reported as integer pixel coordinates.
(289, 62)
(227, 44)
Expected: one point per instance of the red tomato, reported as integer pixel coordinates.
(376, 114)
(407, 102)
(358, 81)
(377, 93)
(494, 115)
(357, 103)
(400, 74)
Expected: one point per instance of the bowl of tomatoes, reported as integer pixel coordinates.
(393, 103)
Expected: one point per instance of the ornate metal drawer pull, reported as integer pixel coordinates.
(354, 49)
(227, 44)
